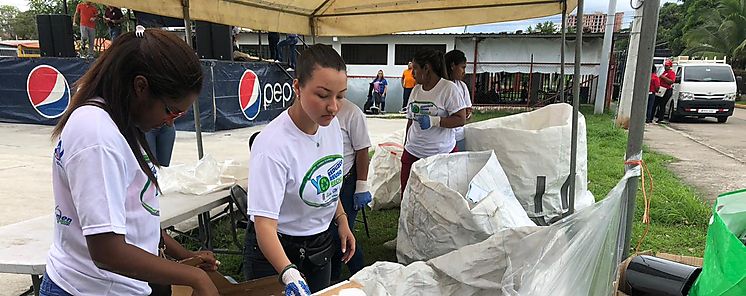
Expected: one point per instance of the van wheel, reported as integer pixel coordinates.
(672, 117)
(722, 119)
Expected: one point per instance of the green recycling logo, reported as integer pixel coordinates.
(325, 177)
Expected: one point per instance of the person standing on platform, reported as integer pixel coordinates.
(113, 17)
(88, 14)
(296, 175)
(456, 67)
(407, 82)
(273, 38)
(288, 45)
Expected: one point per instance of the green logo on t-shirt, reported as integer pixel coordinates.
(325, 176)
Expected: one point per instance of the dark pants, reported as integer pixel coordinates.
(346, 195)
(380, 101)
(49, 288)
(114, 32)
(405, 97)
(273, 38)
(257, 266)
(651, 107)
(660, 105)
(290, 44)
(161, 143)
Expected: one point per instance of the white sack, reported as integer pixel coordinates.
(534, 147)
(454, 200)
(202, 177)
(578, 255)
(384, 173)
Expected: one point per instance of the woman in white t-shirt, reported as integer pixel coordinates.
(456, 67)
(296, 175)
(107, 217)
(435, 107)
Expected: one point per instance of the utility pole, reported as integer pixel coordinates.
(630, 69)
(605, 54)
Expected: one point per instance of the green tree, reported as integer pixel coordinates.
(547, 27)
(529, 30)
(8, 16)
(722, 33)
(670, 27)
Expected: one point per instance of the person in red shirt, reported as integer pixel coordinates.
(666, 79)
(655, 83)
(88, 14)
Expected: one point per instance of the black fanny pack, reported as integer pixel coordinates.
(315, 249)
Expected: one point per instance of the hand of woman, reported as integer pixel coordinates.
(210, 263)
(347, 240)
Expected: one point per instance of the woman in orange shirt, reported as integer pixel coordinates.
(407, 82)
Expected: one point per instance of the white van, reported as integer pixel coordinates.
(703, 88)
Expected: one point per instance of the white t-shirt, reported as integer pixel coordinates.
(463, 90)
(436, 139)
(98, 188)
(295, 177)
(354, 131)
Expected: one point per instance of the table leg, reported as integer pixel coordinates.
(36, 282)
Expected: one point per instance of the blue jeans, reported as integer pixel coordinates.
(87, 38)
(290, 43)
(357, 262)
(114, 32)
(161, 143)
(49, 288)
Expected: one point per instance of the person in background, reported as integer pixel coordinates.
(407, 82)
(655, 83)
(88, 13)
(273, 38)
(107, 229)
(113, 17)
(295, 179)
(667, 79)
(436, 108)
(161, 142)
(289, 45)
(456, 67)
(380, 87)
(355, 192)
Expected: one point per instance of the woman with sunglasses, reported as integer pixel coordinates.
(296, 175)
(107, 232)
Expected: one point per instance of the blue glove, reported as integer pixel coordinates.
(362, 195)
(427, 122)
(295, 285)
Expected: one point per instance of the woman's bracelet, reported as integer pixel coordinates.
(340, 215)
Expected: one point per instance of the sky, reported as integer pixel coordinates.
(591, 6)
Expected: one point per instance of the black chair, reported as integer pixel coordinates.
(239, 198)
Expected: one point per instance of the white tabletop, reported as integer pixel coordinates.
(24, 245)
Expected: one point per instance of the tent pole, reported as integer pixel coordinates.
(575, 105)
(562, 52)
(639, 106)
(195, 106)
(605, 59)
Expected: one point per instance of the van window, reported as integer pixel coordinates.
(708, 74)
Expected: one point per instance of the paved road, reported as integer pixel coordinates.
(711, 156)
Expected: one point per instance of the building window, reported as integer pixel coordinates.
(365, 54)
(405, 52)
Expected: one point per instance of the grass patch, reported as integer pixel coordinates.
(679, 217)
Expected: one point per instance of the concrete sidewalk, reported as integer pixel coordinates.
(26, 164)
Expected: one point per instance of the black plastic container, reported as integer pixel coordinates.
(649, 276)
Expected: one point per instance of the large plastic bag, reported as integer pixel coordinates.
(205, 176)
(454, 200)
(534, 151)
(578, 255)
(724, 268)
(384, 173)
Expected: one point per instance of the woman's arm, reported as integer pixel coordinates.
(456, 120)
(362, 161)
(269, 243)
(111, 252)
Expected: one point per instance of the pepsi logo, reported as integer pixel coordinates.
(248, 94)
(48, 91)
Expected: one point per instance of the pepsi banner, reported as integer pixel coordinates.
(234, 95)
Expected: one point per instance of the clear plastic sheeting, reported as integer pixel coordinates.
(202, 177)
(384, 173)
(534, 151)
(578, 255)
(452, 201)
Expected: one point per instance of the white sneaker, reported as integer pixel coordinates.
(290, 69)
